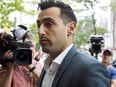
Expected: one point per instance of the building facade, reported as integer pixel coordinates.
(113, 23)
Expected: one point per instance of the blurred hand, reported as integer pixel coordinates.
(8, 54)
(37, 58)
(0, 66)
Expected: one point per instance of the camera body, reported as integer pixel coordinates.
(96, 44)
(22, 54)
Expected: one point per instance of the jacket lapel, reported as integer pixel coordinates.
(41, 78)
(64, 65)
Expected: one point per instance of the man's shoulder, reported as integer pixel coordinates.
(83, 60)
(85, 56)
(111, 68)
(82, 57)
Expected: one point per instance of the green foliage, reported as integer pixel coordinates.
(33, 28)
(86, 26)
(84, 30)
(101, 30)
(7, 7)
(113, 6)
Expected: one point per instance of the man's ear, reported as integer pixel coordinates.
(71, 28)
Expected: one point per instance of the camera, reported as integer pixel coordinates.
(96, 44)
(22, 54)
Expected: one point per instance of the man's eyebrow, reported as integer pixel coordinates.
(45, 19)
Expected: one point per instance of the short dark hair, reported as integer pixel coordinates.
(67, 13)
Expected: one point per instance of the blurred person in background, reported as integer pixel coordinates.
(21, 76)
(107, 62)
(41, 56)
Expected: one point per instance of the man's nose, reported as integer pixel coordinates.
(41, 30)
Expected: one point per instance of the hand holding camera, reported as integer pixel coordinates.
(21, 53)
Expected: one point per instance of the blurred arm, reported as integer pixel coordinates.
(6, 78)
(7, 72)
(113, 83)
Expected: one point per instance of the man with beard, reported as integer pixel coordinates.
(65, 66)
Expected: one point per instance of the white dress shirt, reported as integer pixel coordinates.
(52, 68)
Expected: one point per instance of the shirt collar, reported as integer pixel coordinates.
(61, 56)
(57, 61)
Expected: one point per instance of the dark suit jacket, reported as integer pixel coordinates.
(79, 70)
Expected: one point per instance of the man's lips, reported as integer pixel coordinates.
(44, 41)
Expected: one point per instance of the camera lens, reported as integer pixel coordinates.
(22, 56)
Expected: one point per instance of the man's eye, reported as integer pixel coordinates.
(38, 24)
(49, 24)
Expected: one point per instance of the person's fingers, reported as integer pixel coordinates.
(37, 58)
(0, 66)
(8, 54)
(9, 51)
